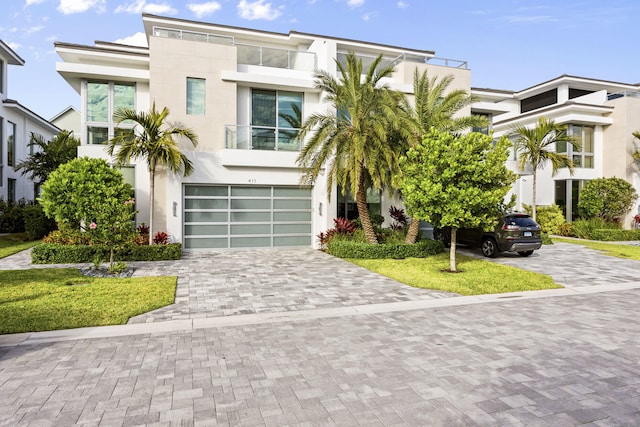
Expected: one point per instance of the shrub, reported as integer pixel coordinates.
(36, 223)
(376, 221)
(550, 218)
(51, 253)
(359, 250)
(12, 216)
(607, 198)
(584, 228)
(399, 217)
(614, 235)
(67, 236)
(566, 230)
(161, 238)
(546, 240)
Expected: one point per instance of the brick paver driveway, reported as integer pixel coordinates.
(380, 354)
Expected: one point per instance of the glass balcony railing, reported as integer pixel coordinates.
(421, 59)
(192, 36)
(624, 93)
(261, 138)
(277, 58)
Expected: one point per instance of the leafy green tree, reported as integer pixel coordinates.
(154, 140)
(48, 155)
(352, 139)
(457, 181)
(532, 145)
(76, 189)
(437, 107)
(609, 199)
(112, 224)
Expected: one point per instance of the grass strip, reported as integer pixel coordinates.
(625, 251)
(475, 276)
(61, 298)
(13, 243)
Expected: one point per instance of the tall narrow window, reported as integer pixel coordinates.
(1, 76)
(11, 144)
(11, 190)
(1, 150)
(195, 96)
(103, 99)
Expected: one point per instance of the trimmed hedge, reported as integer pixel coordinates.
(51, 253)
(359, 250)
(614, 235)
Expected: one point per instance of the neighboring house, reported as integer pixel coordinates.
(17, 123)
(232, 86)
(68, 119)
(602, 115)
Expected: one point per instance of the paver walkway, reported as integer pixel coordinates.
(553, 358)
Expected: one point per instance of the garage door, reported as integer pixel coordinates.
(225, 216)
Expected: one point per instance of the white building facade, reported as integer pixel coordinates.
(17, 123)
(244, 93)
(601, 115)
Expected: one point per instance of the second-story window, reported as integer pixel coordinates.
(1, 76)
(195, 96)
(276, 117)
(582, 158)
(11, 144)
(103, 99)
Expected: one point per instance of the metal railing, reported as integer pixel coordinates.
(266, 138)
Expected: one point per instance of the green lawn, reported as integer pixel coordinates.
(612, 249)
(53, 298)
(14, 243)
(476, 277)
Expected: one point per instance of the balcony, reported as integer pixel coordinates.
(262, 138)
(407, 57)
(625, 93)
(248, 54)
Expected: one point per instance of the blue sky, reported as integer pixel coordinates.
(509, 44)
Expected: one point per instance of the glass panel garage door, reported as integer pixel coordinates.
(226, 216)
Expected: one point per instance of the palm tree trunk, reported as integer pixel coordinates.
(152, 184)
(452, 250)
(533, 208)
(363, 211)
(412, 232)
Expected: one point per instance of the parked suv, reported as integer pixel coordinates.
(515, 232)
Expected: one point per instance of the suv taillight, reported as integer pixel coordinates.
(510, 227)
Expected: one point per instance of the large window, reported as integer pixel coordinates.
(275, 120)
(1, 76)
(567, 194)
(103, 99)
(347, 207)
(11, 144)
(582, 158)
(195, 96)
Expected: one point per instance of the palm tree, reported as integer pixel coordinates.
(532, 145)
(434, 107)
(153, 141)
(352, 140)
(61, 149)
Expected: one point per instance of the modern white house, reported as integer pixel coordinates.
(243, 92)
(17, 123)
(601, 115)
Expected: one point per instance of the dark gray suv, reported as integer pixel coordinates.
(515, 232)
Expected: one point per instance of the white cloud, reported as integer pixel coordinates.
(369, 16)
(203, 9)
(68, 7)
(257, 10)
(34, 29)
(355, 3)
(30, 2)
(141, 6)
(138, 39)
(530, 19)
(14, 46)
(403, 4)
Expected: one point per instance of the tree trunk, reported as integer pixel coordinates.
(452, 251)
(152, 184)
(533, 208)
(413, 231)
(363, 211)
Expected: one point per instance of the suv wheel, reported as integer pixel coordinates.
(525, 253)
(441, 236)
(489, 247)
